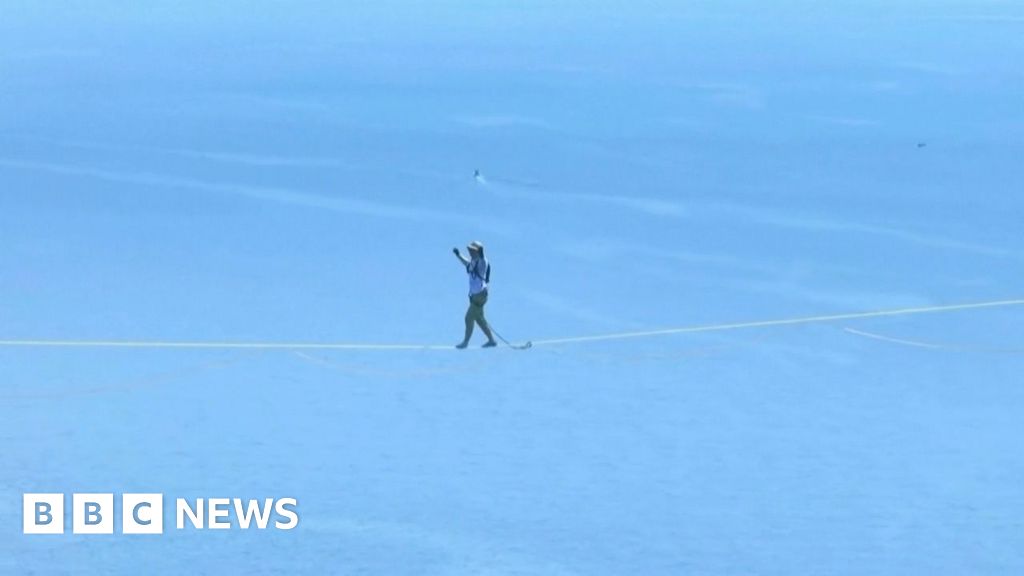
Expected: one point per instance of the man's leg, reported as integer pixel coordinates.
(470, 320)
(480, 300)
(486, 329)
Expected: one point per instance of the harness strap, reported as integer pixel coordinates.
(474, 269)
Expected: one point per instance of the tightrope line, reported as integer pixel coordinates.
(784, 322)
(216, 345)
(548, 342)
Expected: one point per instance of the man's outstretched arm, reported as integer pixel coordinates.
(463, 259)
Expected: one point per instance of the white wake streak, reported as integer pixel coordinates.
(933, 345)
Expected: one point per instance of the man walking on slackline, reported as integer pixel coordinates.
(479, 271)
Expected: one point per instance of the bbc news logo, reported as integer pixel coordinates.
(144, 513)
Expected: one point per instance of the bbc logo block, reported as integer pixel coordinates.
(92, 513)
(142, 513)
(43, 513)
(97, 513)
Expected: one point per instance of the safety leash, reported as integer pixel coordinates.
(524, 346)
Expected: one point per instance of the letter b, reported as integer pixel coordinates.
(92, 514)
(43, 513)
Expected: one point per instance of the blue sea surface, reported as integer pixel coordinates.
(298, 172)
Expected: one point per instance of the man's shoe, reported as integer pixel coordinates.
(462, 345)
(490, 344)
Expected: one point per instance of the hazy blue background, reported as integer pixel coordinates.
(300, 171)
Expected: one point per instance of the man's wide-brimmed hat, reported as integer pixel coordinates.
(475, 246)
